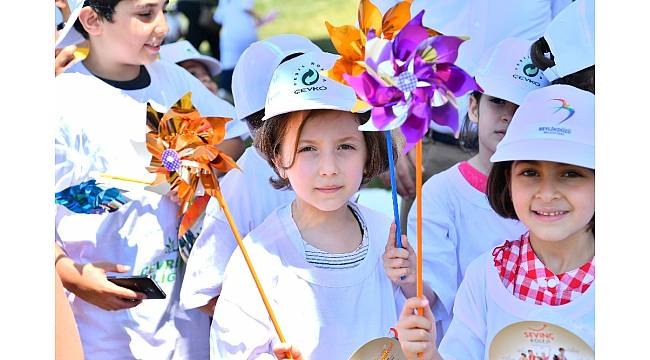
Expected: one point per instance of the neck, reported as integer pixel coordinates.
(481, 161)
(333, 231)
(103, 66)
(565, 255)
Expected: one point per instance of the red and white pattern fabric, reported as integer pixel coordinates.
(523, 273)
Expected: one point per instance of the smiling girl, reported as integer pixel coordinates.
(543, 175)
(457, 222)
(319, 256)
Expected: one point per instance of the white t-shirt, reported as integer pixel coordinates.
(250, 198)
(101, 128)
(168, 83)
(325, 313)
(458, 225)
(486, 23)
(484, 307)
(238, 30)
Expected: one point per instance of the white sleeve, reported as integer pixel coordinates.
(557, 6)
(439, 262)
(215, 244)
(241, 328)
(73, 161)
(465, 337)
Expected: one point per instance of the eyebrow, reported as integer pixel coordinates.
(151, 4)
(345, 139)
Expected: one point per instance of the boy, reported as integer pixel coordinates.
(101, 106)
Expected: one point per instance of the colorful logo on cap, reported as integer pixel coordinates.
(564, 105)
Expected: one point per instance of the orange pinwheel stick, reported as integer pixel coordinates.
(418, 199)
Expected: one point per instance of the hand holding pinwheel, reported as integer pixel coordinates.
(406, 72)
(184, 154)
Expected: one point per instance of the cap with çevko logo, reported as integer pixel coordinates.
(300, 84)
(509, 73)
(555, 123)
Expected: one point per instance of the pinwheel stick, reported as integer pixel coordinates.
(418, 204)
(235, 232)
(418, 200)
(393, 186)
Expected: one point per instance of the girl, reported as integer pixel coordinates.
(457, 221)
(543, 175)
(318, 257)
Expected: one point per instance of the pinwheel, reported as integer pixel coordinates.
(184, 155)
(90, 198)
(407, 75)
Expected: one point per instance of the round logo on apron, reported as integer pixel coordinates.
(534, 340)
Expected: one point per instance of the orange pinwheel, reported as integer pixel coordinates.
(182, 145)
(350, 41)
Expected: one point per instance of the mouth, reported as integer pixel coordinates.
(154, 46)
(546, 215)
(329, 189)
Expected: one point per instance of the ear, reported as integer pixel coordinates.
(472, 108)
(90, 21)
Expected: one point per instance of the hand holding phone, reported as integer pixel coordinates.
(142, 284)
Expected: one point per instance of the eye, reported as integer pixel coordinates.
(346, 147)
(529, 173)
(571, 174)
(497, 101)
(306, 148)
(145, 15)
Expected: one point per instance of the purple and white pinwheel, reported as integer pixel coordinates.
(412, 80)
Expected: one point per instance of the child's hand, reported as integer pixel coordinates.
(281, 352)
(97, 290)
(417, 334)
(399, 263)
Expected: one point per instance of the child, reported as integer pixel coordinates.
(457, 221)
(202, 67)
(543, 175)
(248, 193)
(101, 112)
(205, 68)
(318, 256)
(566, 52)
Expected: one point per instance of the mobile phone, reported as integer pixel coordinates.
(143, 284)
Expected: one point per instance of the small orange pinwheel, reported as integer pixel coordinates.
(182, 145)
(350, 41)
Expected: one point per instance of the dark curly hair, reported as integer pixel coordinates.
(104, 9)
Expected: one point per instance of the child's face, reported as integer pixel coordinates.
(137, 30)
(199, 71)
(555, 201)
(329, 160)
(493, 116)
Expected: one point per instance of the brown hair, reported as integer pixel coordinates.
(584, 79)
(269, 138)
(500, 197)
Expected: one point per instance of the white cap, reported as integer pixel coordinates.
(69, 35)
(509, 73)
(254, 69)
(570, 36)
(182, 50)
(300, 84)
(555, 123)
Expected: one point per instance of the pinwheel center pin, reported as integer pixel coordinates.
(406, 82)
(171, 160)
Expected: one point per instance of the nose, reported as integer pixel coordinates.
(328, 164)
(161, 26)
(548, 189)
(508, 112)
